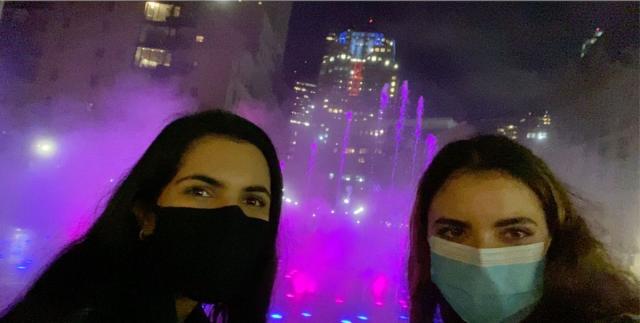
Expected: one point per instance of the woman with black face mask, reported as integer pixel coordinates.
(192, 226)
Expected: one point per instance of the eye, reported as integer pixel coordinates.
(255, 201)
(516, 234)
(198, 192)
(450, 232)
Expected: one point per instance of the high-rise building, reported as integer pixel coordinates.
(355, 68)
(80, 50)
(303, 105)
(357, 65)
(534, 127)
(300, 122)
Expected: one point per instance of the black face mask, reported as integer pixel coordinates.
(209, 255)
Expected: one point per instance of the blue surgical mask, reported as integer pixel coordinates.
(488, 285)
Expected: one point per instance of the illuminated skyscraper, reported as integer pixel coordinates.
(347, 126)
(300, 125)
(358, 64)
(531, 128)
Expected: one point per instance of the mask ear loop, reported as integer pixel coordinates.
(141, 235)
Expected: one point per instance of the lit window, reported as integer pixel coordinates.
(176, 11)
(361, 160)
(152, 57)
(155, 11)
(199, 39)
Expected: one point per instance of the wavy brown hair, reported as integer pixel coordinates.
(580, 281)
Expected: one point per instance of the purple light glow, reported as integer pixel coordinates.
(55, 199)
(379, 286)
(324, 270)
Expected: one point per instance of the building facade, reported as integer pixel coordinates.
(80, 50)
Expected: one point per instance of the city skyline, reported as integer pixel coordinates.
(470, 59)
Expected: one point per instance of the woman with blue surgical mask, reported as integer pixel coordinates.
(495, 238)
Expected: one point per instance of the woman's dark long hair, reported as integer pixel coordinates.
(98, 266)
(580, 282)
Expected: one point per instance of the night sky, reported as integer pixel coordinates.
(469, 60)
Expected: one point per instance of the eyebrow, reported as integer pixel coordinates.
(203, 178)
(216, 183)
(258, 189)
(512, 221)
(498, 224)
(457, 223)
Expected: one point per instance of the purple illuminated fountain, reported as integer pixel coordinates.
(345, 144)
(417, 134)
(384, 100)
(311, 166)
(400, 127)
(431, 148)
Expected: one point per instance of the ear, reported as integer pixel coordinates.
(145, 218)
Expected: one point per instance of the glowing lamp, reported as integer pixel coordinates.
(44, 147)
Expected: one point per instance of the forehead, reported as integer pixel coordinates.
(230, 161)
(485, 197)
